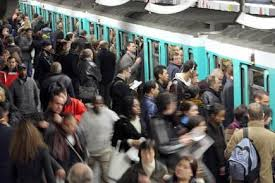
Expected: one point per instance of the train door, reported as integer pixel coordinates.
(100, 32)
(112, 40)
(151, 57)
(252, 79)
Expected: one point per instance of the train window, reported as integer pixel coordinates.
(190, 54)
(50, 18)
(208, 62)
(100, 32)
(112, 40)
(139, 42)
(242, 86)
(75, 22)
(155, 52)
(67, 24)
(256, 81)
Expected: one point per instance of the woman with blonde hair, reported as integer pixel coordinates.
(30, 155)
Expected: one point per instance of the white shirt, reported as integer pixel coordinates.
(136, 124)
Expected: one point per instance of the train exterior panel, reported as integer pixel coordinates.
(252, 68)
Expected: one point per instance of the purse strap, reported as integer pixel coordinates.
(75, 151)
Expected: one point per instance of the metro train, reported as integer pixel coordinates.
(250, 51)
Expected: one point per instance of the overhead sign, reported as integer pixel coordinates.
(111, 2)
(256, 22)
(160, 9)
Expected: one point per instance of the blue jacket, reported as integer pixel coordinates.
(148, 110)
(172, 69)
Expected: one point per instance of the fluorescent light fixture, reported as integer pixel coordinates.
(256, 22)
(111, 2)
(159, 9)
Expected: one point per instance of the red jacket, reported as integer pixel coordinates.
(75, 107)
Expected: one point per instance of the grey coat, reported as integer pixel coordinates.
(210, 97)
(25, 95)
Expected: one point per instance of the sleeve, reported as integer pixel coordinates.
(80, 109)
(129, 176)
(71, 90)
(55, 165)
(205, 99)
(152, 110)
(135, 66)
(36, 95)
(231, 144)
(119, 135)
(47, 166)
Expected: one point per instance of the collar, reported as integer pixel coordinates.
(22, 80)
(131, 55)
(256, 124)
(149, 97)
(187, 83)
(120, 76)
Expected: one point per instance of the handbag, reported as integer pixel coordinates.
(119, 163)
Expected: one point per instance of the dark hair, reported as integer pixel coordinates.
(56, 89)
(186, 106)
(83, 33)
(194, 121)
(4, 107)
(127, 104)
(163, 100)
(188, 65)
(146, 145)
(215, 109)
(69, 36)
(148, 86)
(240, 112)
(159, 70)
(259, 94)
(35, 15)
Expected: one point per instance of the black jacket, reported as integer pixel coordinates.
(43, 66)
(214, 156)
(124, 130)
(119, 89)
(131, 175)
(106, 61)
(5, 161)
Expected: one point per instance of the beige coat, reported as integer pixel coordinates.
(264, 141)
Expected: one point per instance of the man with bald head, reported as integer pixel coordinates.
(106, 62)
(80, 173)
(263, 140)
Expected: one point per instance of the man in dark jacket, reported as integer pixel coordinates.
(24, 92)
(212, 94)
(106, 61)
(174, 66)
(149, 108)
(161, 77)
(44, 62)
(25, 43)
(119, 88)
(55, 76)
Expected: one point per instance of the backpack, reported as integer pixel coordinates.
(244, 162)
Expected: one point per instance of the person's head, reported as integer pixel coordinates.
(103, 45)
(35, 15)
(5, 55)
(218, 73)
(12, 63)
(217, 113)
(267, 115)
(214, 83)
(196, 122)
(151, 88)
(261, 97)
(189, 109)
(70, 36)
(22, 70)
(189, 67)
(255, 112)
(5, 32)
(83, 33)
(228, 69)
(161, 74)
(60, 26)
(98, 103)
(69, 124)
(186, 169)
(131, 47)
(56, 68)
(47, 46)
(130, 107)
(26, 142)
(166, 103)
(241, 115)
(147, 152)
(177, 59)
(29, 32)
(86, 54)
(10, 40)
(58, 98)
(80, 173)
(125, 71)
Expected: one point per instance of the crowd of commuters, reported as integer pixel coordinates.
(65, 103)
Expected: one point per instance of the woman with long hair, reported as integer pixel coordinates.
(30, 155)
(129, 129)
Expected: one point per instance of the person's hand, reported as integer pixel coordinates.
(57, 118)
(43, 124)
(185, 139)
(169, 85)
(222, 171)
(138, 60)
(60, 173)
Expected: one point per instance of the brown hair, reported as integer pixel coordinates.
(26, 142)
